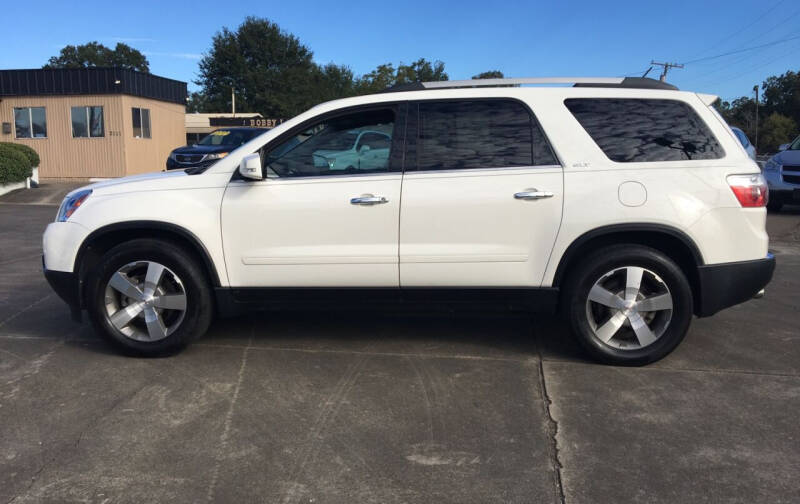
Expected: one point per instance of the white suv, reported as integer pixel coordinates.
(625, 203)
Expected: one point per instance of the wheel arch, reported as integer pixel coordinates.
(671, 241)
(104, 238)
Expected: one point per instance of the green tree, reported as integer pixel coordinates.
(386, 75)
(781, 94)
(491, 74)
(776, 129)
(94, 54)
(269, 69)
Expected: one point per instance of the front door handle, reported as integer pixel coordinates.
(368, 199)
(533, 194)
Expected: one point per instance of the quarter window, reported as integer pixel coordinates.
(87, 122)
(141, 122)
(479, 134)
(645, 130)
(30, 122)
(351, 144)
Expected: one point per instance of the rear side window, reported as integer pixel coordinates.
(455, 135)
(636, 130)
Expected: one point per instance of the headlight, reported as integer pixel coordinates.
(218, 155)
(71, 203)
(772, 165)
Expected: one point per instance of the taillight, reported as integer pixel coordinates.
(750, 190)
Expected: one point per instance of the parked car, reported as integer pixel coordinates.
(356, 151)
(782, 172)
(625, 204)
(214, 146)
(748, 147)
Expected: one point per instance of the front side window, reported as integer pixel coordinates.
(645, 130)
(30, 122)
(87, 122)
(479, 134)
(356, 143)
(141, 122)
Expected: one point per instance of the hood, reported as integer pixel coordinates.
(203, 149)
(790, 157)
(158, 181)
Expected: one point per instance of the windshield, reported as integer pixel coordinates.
(232, 138)
(795, 144)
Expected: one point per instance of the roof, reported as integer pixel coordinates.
(90, 81)
(613, 82)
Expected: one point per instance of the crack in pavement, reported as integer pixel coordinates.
(552, 433)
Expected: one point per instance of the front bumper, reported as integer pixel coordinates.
(728, 284)
(67, 286)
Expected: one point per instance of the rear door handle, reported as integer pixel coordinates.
(533, 194)
(368, 199)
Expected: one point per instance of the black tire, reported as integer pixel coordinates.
(595, 267)
(774, 206)
(199, 307)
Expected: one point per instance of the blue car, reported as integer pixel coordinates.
(216, 145)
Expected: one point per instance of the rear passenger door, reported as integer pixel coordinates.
(481, 195)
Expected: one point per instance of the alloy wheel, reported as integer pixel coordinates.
(629, 308)
(145, 301)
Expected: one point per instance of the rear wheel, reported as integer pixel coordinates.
(149, 297)
(628, 304)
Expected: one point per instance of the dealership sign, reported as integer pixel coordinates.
(253, 121)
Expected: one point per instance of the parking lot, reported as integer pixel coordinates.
(384, 408)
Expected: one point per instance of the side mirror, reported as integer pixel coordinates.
(364, 149)
(783, 147)
(250, 167)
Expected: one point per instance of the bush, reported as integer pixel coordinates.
(26, 151)
(14, 166)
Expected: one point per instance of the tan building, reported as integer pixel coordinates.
(93, 122)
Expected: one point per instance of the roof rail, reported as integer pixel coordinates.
(613, 82)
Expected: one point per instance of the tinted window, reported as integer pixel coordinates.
(634, 130)
(479, 134)
(329, 147)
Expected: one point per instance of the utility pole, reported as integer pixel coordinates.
(666, 66)
(755, 88)
(233, 102)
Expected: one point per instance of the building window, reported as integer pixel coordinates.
(87, 122)
(30, 122)
(141, 122)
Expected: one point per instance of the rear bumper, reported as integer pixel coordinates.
(66, 285)
(728, 284)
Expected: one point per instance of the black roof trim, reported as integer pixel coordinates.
(407, 86)
(627, 82)
(634, 83)
(87, 81)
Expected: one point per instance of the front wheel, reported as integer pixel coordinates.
(149, 297)
(628, 305)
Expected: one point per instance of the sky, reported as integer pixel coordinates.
(522, 39)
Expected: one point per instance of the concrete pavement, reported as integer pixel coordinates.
(392, 407)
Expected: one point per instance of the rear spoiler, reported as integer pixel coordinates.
(708, 99)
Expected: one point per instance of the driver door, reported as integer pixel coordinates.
(311, 223)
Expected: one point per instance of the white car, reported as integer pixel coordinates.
(357, 151)
(626, 204)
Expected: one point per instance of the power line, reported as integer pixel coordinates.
(740, 30)
(666, 66)
(776, 42)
